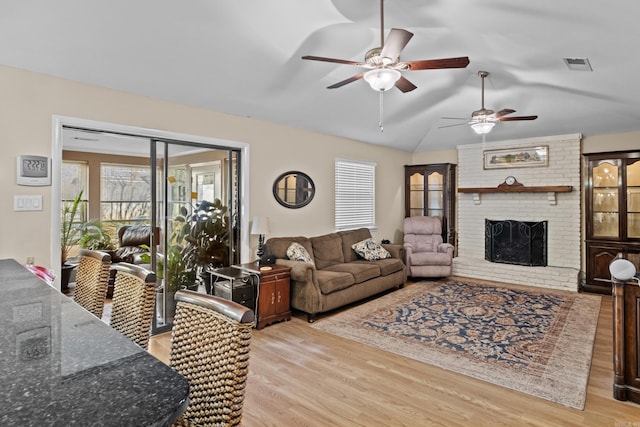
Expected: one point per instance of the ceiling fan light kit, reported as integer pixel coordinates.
(482, 128)
(382, 79)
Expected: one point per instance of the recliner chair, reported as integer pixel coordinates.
(425, 253)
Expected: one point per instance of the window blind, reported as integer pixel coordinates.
(354, 194)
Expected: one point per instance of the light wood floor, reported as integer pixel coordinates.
(300, 376)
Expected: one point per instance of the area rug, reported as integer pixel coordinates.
(532, 341)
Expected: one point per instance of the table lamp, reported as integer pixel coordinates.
(260, 227)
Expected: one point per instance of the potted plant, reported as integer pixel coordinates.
(95, 238)
(70, 234)
(89, 235)
(177, 277)
(204, 237)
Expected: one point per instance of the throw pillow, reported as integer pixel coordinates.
(297, 252)
(370, 250)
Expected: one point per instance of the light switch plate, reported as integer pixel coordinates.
(27, 203)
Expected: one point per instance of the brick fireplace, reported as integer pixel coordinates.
(560, 210)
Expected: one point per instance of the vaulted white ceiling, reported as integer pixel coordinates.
(244, 57)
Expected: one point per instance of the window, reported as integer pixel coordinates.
(355, 194)
(125, 194)
(74, 178)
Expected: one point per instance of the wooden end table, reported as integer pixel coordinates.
(274, 292)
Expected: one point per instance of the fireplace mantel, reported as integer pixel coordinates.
(518, 188)
(551, 190)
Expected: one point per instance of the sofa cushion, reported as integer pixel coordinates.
(370, 250)
(430, 258)
(327, 250)
(387, 266)
(277, 246)
(332, 281)
(351, 237)
(360, 271)
(297, 252)
(128, 254)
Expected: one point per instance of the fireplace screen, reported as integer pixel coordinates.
(516, 242)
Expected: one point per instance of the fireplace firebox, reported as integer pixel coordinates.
(516, 242)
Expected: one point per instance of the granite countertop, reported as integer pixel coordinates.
(62, 366)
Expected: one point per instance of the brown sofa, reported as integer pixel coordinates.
(337, 276)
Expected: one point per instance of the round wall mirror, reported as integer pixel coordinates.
(294, 189)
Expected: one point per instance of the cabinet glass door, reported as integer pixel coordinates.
(416, 194)
(633, 200)
(435, 194)
(606, 213)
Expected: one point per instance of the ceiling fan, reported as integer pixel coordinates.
(483, 120)
(384, 65)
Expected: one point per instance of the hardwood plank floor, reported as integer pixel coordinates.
(300, 376)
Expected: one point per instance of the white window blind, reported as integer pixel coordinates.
(355, 194)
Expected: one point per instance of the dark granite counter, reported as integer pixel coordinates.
(61, 366)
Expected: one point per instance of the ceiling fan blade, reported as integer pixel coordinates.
(432, 64)
(450, 126)
(396, 41)
(405, 85)
(513, 119)
(346, 81)
(502, 113)
(338, 61)
(454, 118)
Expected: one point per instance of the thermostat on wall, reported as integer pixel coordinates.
(34, 170)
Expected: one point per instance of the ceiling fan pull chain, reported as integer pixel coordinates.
(381, 112)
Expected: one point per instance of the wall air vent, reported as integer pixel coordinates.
(578, 64)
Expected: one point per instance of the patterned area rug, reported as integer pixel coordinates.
(532, 341)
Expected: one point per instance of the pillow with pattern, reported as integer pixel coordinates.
(370, 250)
(297, 252)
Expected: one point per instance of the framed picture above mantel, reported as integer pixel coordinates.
(520, 157)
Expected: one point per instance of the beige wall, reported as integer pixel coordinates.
(614, 142)
(445, 156)
(30, 100)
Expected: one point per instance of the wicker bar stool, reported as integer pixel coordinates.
(92, 277)
(133, 302)
(210, 347)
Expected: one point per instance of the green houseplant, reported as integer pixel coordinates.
(204, 235)
(88, 235)
(70, 234)
(70, 231)
(95, 238)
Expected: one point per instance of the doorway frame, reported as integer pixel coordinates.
(58, 122)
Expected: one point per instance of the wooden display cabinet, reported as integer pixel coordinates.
(430, 191)
(612, 208)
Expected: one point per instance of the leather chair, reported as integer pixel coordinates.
(425, 253)
(131, 239)
(210, 347)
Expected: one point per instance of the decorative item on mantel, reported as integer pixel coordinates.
(260, 227)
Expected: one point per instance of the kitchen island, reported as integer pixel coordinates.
(62, 366)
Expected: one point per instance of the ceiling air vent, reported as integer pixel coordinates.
(578, 64)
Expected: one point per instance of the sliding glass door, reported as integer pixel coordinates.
(188, 193)
(196, 214)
